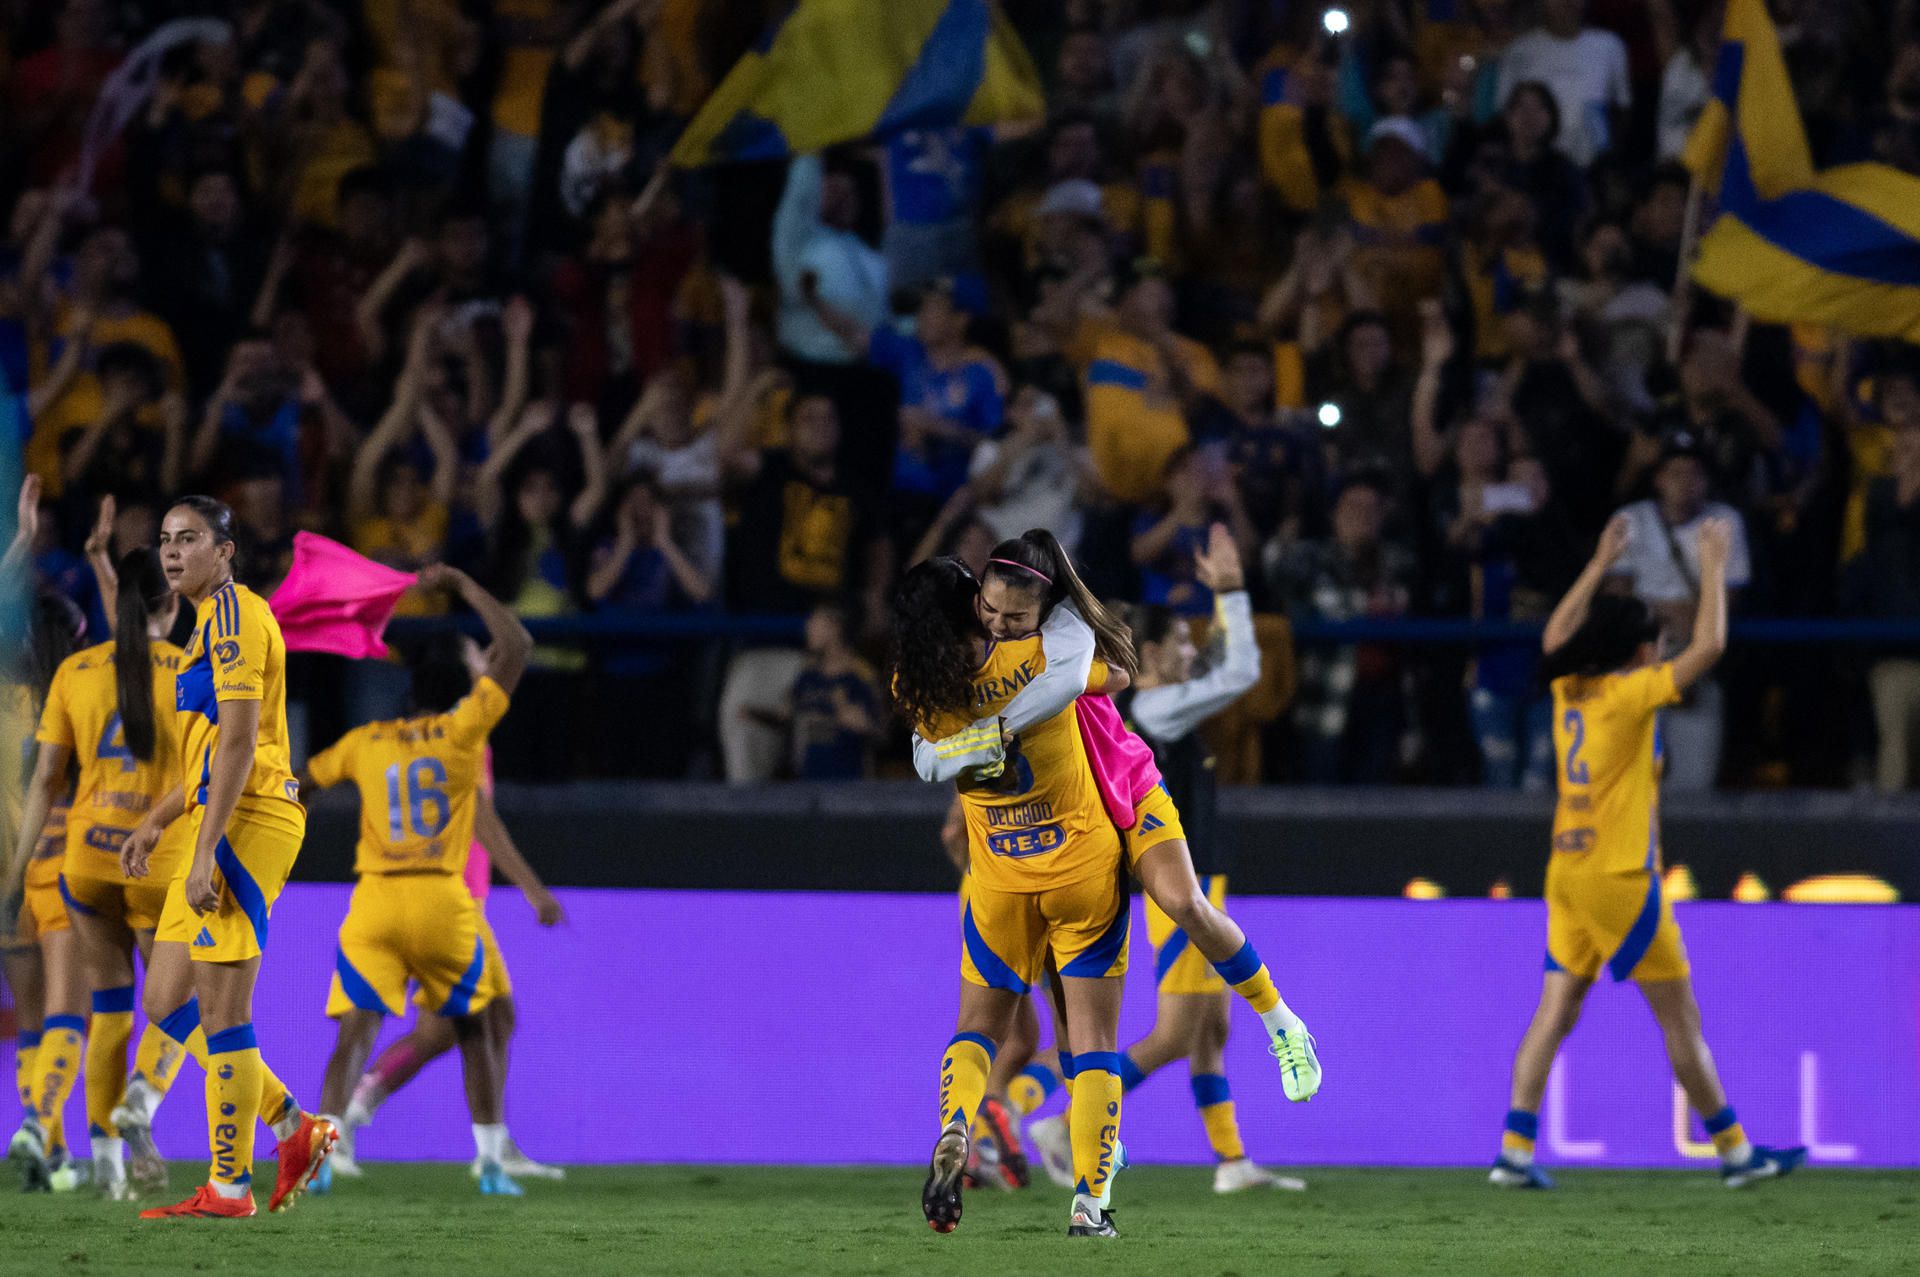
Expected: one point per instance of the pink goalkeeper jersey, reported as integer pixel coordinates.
(1122, 763)
(479, 865)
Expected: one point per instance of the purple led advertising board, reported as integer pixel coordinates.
(646, 1019)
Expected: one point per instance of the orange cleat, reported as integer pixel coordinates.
(205, 1204)
(301, 1156)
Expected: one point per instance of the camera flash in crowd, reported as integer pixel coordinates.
(1329, 412)
(1334, 21)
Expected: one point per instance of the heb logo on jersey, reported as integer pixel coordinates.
(105, 838)
(1021, 843)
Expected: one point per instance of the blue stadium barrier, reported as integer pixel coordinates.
(599, 628)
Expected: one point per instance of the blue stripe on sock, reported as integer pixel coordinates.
(1721, 1121)
(1241, 967)
(113, 1001)
(1097, 1062)
(1210, 1089)
(238, 1038)
(180, 1023)
(1067, 1068)
(26, 1039)
(71, 1023)
(980, 1040)
(1041, 1077)
(1130, 1074)
(1524, 1124)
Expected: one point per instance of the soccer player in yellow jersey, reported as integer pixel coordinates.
(411, 916)
(109, 714)
(245, 825)
(1044, 874)
(1605, 909)
(1014, 602)
(43, 968)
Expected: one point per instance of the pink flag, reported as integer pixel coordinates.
(1122, 764)
(336, 600)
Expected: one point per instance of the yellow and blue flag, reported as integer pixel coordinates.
(1840, 247)
(1752, 111)
(831, 71)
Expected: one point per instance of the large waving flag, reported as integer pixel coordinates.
(831, 71)
(1841, 247)
(1752, 111)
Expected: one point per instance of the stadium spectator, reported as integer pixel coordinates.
(1584, 68)
(1351, 709)
(1661, 567)
(1885, 582)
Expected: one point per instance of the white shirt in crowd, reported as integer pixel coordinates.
(689, 482)
(1587, 75)
(1649, 560)
(1039, 492)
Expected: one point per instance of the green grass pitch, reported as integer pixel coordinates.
(428, 1219)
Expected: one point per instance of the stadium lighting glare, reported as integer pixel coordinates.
(1334, 21)
(1329, 415)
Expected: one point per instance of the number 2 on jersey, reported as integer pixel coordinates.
(1576, 724)
(424, 786)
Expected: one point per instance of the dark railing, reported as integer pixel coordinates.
(602, 628)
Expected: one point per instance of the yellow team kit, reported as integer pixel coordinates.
(1604, 902)
(411, 915)
(114, 790)
(1044, 858)
(236, 654)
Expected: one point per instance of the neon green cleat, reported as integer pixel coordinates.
(1299, 1064)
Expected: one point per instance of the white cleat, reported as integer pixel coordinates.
(1299, 1063)
(110, 1178)
(519, 1166)
(341, 1161)
(1241, 1174)
(1054, 1142)
(133, 1118)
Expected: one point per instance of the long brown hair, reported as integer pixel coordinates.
(143, 594)
(1036, 562)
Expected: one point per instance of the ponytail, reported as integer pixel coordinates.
(143, 592)
(1036, 561)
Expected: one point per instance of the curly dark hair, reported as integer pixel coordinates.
(934, 632)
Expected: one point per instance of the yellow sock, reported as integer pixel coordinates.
(233, 1097)
(1032, 1087)
(1094, 1119)
(963, 1078)
(62, 1044)
(107, 1039)
(274, 1098)
(26, 1045)
(1250, 979)
(157, 1058)
(1215, 1102)
(1516, 1141)
(1726, 1132)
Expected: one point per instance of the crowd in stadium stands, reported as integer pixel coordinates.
(1400, 308)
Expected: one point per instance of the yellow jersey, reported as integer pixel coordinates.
(1606, 741)
(1042, 824)
(236, 654)
(115, 789)
(418, 780)
(16, 757)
